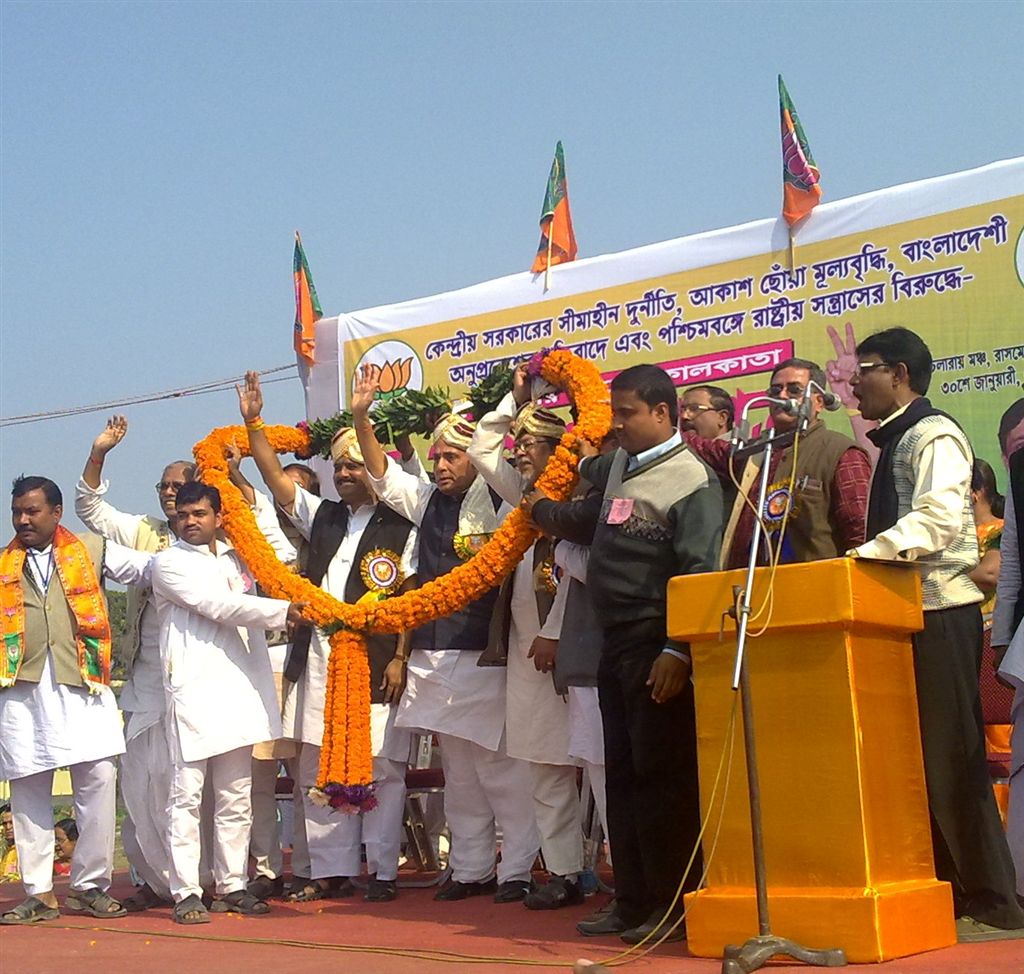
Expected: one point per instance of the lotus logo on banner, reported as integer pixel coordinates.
(396, 366)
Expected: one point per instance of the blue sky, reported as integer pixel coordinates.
(157, 157)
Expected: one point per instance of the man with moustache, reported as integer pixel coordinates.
(358, 548)
(56, 706)
(447, 692)
(828, 505)
(145, 768)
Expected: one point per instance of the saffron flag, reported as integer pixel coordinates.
(555, 220)
(801, 181)
(307, 305)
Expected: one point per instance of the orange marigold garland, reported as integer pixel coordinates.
(346, 760)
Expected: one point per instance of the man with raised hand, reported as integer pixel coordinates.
(358, 549)
(447, 692)
(537, 719)
(220, 698)
(145, 766)
(56, 706)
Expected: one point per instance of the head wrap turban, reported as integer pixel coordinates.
(537, 421)
(453, 429)
(345, 445)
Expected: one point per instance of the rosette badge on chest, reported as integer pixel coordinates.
(381, 572)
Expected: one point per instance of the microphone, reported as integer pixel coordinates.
(828, 399)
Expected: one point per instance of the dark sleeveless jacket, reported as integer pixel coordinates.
(386, 530)
(466, 629)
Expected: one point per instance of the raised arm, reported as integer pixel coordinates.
(250, 404)
(237, 477)
(488, 448)
(374, 457)
(94, 512)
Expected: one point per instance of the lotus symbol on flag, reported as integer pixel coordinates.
(795, 161)
(393, 377)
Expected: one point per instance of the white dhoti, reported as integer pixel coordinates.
(146, 789)
(230, 775)
(334, 838)
(586, 745)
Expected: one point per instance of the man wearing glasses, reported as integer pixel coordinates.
(145, 767)
(920, 511)
(707, 411)
(827, 502)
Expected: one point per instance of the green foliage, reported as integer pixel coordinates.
(117, 612)
(486, 395)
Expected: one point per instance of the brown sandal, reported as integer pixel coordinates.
(94, 901)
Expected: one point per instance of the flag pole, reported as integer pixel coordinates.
(792, 251)
(547, 269)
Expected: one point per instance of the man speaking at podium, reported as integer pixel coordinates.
(920, 511)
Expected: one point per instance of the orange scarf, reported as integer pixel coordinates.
(84, 597)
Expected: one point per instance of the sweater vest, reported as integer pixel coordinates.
(387, 530)
(467, 629)
(945, 575)
(50, 626)
(152, 535)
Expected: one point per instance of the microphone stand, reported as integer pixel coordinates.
(757, 951)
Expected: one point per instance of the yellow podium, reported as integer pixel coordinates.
(848, 854)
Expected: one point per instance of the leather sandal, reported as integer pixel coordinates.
(95, 902)
(142, 899)
(31, 911)
(191, 904)
(239, 901)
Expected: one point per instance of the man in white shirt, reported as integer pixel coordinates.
(537, 718)
(145, 771)
(358, 549)
(448, 693)
(220, 698)
(56, 706)
(920, 511)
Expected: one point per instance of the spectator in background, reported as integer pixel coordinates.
(707, 411)
(8, 852)
(1007, 631)
(65, 838)
(988, 505)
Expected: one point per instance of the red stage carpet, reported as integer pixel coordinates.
(305, 937)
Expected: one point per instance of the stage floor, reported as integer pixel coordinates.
(351, 933)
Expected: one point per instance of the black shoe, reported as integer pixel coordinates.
(556, 893)
(655, 927)
(512, 891)
(605, 922)
(263, 887)
(381, 890)
(460, 891)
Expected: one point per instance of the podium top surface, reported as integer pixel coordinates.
(840, 593)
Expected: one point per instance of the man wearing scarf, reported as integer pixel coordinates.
(358, 549)
(920, 511)
(537, 718)
(56, 706)
(447, 692)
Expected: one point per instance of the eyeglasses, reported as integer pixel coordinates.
(171, 485)
(863, 367)
(794, 389)
(691, 410)
(524, 446)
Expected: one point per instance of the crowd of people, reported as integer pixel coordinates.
(567, 664)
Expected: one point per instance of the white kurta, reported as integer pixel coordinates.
(310, 692)
(537, 720)
(48, 725)
(445, 692)
(142, 696)
(217, 673)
